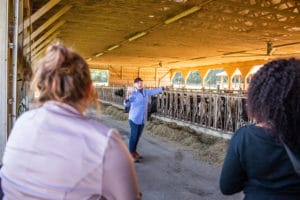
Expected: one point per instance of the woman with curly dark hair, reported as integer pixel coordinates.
(256, 161)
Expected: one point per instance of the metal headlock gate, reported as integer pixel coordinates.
(218, 110)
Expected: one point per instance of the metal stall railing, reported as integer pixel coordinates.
(217, 110)
(108, 94)
(220, 111)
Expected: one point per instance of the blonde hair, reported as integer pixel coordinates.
(61, 75)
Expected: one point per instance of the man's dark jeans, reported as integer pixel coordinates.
(135, 134)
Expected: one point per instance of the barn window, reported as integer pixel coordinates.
(216, 79)
(99, 77)
(178, 80)
(194, 80)
(237, 80)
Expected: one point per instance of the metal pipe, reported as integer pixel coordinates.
(3, 74)
(15, 60)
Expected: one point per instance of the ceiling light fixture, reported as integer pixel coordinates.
(136, 36)
(99, 54)
(113, 47)
(183, 14)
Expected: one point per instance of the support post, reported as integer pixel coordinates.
(203, 73)
(3, 74)
(185, 76)
(155, 77)
(121, 73)
(15, 60)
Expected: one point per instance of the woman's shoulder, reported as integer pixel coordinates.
(97, 125)
(251, 133)
(245, 131)
(98, 137)
(101, 129)
(249, 129)
(27, 116)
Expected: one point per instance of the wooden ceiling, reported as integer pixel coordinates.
(218, 31)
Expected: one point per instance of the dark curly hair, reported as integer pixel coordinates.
(274, 99)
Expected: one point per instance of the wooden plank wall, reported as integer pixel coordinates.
(153, 77)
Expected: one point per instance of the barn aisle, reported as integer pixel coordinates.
(168, 172)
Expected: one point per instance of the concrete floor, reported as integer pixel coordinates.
(168, 172)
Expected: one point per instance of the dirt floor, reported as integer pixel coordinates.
(207, 148)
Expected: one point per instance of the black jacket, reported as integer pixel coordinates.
(259, 165)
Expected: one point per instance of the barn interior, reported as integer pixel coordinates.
(165, 42)
(155, 39)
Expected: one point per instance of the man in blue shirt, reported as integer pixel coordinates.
(138, 102)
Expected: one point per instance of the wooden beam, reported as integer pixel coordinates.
(38, 42)
(43, 45)
(139, 72)
(45, 36)
(47, 24)
(121, 72)
(163, 76)
(111, 69)
(30, 20)
(98, 67)
(36, 56)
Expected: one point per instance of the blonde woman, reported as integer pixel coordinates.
(54, 152)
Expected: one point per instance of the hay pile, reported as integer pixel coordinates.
(204, 147)
(116, 113)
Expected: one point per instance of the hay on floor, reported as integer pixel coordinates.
(204, 147)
